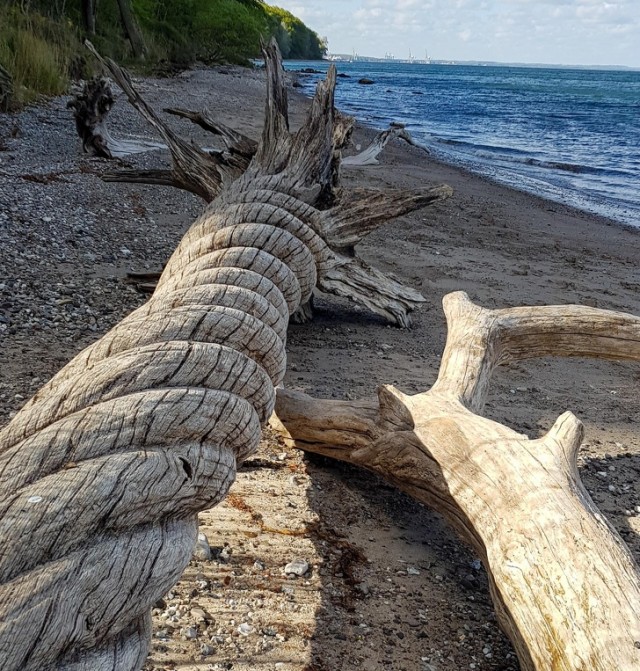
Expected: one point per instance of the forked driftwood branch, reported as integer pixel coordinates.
(565, 587)
(103, 471)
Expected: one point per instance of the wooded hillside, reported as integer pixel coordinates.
(40, 40)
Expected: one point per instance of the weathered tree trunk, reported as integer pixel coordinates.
(565, 587)
(313, 170)
(103, 471)
(89, 9)
(132, 29)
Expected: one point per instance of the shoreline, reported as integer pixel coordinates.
(369, 131)
(567, 187)
(390, 587)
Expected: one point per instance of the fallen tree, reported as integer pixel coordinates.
(103, 471)
(565, 588)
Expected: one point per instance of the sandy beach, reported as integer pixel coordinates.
(390, 587)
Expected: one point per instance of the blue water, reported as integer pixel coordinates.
(568, 135)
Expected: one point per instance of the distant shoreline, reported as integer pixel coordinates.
(548, 66)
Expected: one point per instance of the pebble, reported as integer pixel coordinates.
(202, 550)
(245, 629)
(198, 615)
(297, 567)
(190, 633)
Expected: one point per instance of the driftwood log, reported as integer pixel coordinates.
(369, 156)
(565, 587)
(103, 471)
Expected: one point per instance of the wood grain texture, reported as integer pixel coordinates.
(565, 587)
(103, 471)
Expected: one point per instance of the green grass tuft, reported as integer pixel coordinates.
(38, 53)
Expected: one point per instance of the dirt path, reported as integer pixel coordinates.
(388, 586)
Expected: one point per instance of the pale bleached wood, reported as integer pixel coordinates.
(369, 156)
(103, 471)
(565, 587)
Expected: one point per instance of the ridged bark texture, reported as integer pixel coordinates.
(104, 470)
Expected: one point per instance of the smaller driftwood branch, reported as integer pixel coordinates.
(195, 170)
(369, 156)
(565, 587)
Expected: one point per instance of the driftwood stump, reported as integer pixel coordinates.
(103, 471)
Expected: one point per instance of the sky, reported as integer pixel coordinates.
(570, 32)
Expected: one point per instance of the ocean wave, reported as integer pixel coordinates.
(523, 157)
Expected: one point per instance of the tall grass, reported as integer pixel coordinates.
(38, 53)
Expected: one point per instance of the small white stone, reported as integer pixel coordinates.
(297, 567)
(34, 499)
(202, 550)
(245, 629)
(412, 571)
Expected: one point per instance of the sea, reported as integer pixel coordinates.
(568, 135)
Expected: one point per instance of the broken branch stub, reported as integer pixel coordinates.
(565, 587)
(369, 156)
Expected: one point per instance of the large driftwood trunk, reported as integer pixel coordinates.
(103, 471)
(565, 587)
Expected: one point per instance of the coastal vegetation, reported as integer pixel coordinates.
(41, 40)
